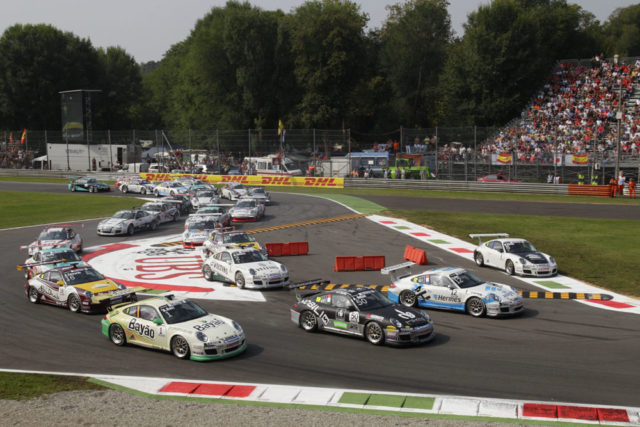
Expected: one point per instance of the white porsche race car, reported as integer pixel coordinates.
(197, 229)
(247, 210)
(451, 288)
(55, 236)
(233, 190)
(128, 222)
(515, 256)
(246, 268)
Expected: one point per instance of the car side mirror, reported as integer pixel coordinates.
(60, 283)
(157, 321)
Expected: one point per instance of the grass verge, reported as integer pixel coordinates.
(20, 209)
(14, 386)
(603, 252)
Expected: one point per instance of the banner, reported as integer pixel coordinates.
(501, 159)
(576, 160)
(282, 181)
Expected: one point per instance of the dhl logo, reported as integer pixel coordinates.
(276, 180)
(156, 176)
(244, 179)
(320, 182)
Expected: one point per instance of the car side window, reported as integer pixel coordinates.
(131, 311)
(148, 313)
(225, 257)
(437, 280)
(497, 246)
(342, 301)
(55, 276)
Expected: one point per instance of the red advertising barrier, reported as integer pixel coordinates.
(354, 263)
(287, 249)
(416, 255)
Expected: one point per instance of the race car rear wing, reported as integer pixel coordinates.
(483, 237)
(398, 271)
(119, 295)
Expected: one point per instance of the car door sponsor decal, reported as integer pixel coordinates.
(140, 328)
(354, 317)
(316, 310)
(406, 315)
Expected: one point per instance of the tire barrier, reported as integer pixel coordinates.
(354, 263)
(589, 190)
(416, 255)
(287, 249)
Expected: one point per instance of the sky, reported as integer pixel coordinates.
(146, 29)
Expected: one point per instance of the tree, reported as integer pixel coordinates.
(38, 61)
(415, 39)
(622, 32)
(328, 44)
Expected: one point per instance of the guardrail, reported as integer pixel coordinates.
(405, 184)
(484, 187)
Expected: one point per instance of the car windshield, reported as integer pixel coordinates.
(248, 256)
(371, 299)
(258, 191)
(246, 204)
(205, 194)
(53, 235)
(202, 224)
(175, 185)
(84, 275)
(465, 279)
(181, 311)
(125, 215)
(236, 186)
(518, 247)
(153, 207)
(237, 238)
(143, 182)
(212, 209)
(67, 256)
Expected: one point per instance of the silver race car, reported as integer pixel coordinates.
(247, 267)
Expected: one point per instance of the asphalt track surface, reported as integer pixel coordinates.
(556, 351)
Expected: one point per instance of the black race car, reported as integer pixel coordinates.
(363, 312)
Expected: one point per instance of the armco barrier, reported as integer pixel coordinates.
(416, 255)
(589, 190)
(354, 263)
(287, 249)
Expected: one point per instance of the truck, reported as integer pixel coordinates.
(272, 164)
(416, 166)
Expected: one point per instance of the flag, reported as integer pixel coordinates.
(280, 127)
(11, 137)
(23, 138)
(580, 159)
(505, 158)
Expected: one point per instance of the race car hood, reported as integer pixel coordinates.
(263, 267)
(244, 211)
(195, 234)
(48, 243)
(98, 286)
(535, 257)
(503, 291)
(216, 328)
(401, 314)
(255, 245)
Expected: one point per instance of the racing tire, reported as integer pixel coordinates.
(479, 259)
(143, 191)
(92, 190)
(475, 307)
(509, 268)
(124, 189)
(407, 298)
(74, 303)
(180, 347)
(154, 225)
(156, 193)
(172, 193)
(33, 295)
(176, 216)
(374, 333)
(130, 230)
(207, 273)
(73, 188)
(239, 280)
(117, 335)
(308, 321)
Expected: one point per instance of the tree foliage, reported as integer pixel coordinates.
(622, 32)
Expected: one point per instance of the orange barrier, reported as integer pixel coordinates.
(354, 263)
(416, 255)
(287, 249)
(589, 190)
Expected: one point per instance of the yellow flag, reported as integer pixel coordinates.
(280, 127)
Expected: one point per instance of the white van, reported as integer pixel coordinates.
(272, 165)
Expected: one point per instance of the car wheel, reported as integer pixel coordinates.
(33, 295)
(176, 216)
(509, 268)
(475, 307)
(143, 191)
(172, 193)
(308, 321)
(74, 303)
(207, 273)
(240, 280)
(154, 225)
(92, 189)
(373, 333)
(73, 188)
(180, 347)
(124, 189)
(79, 249)
(479, 259)
(130, 230)
(117, 335)
(157, 193)
(407, 298)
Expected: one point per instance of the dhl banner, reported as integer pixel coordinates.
(284, 181)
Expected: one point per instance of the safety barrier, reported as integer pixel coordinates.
(589, 190)
(416, 255)
(287, 249)
(354, 263)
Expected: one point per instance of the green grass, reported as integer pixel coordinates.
(29, 386)
(34, 179)
(603, 252)
(20, 209)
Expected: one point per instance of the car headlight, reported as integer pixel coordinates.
(202, 336)
(283, 268)
(494, 297)
(395, 322)
(552, 260)
(252, 272)
(236, 325)
(523, 261)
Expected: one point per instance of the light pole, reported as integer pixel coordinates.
(619, 118)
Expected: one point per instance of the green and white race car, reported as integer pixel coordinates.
(179, 326)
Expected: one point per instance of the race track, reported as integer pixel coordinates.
(558, 350)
